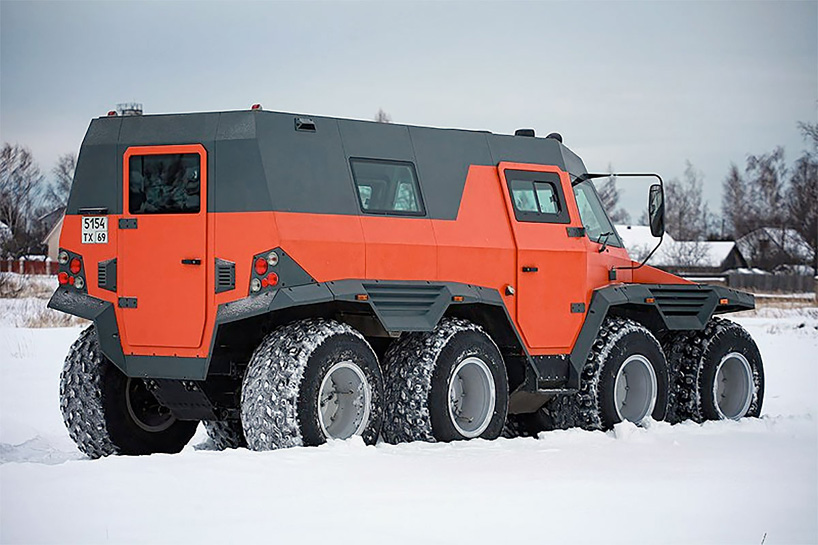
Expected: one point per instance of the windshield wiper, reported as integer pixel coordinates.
(605, 243)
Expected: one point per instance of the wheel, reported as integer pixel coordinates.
(225, 434)
(445, 385)
(310, 381)
(624, 379)
(107, 413)
(716, 374)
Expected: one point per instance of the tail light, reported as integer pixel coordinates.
(72, 273)
(260, 266)
(263, 277)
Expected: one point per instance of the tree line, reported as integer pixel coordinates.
(766, 193)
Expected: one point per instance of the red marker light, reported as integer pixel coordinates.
(112, 113)
(63, 278)
(255, 107)
(272, 279)
(75, 266)
(261, 266)
(71, 280)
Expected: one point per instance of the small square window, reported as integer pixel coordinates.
(164, 184)
(537, 197)
(387, 187)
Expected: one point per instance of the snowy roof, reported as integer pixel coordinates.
(787, 240)
(639, 242)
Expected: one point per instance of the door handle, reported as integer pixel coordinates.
(191, 262)
(530, 269)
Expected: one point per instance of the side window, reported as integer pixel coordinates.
(537, 196)
(164, 184)
(387, 187)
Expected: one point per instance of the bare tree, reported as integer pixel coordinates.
(63, 178)
(609, 194)
(383, 117)
(686, 214)
(21, 184)
(735, 203)
(687, 253)
(766, 174)
(802, 194)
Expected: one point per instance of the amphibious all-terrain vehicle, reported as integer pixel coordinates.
(288, 279)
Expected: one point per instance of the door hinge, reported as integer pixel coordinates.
(578, 307)
(127, 223)
(127, 302)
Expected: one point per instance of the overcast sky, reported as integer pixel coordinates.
(641, 86)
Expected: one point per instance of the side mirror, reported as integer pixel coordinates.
(656, 210)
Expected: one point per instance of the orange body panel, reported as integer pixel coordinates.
(328, 247)
(399, 248)
(478, 248)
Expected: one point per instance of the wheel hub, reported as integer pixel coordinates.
(471, 397)
(344, 400)
(635, 389)
(733, 386)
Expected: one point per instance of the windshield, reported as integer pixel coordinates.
(593, 215)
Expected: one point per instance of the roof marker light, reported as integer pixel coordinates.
(255, 107)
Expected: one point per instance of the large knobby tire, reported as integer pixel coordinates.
(626, 365)
(445, 385)
(715, 374)
(107, 413)
(310, 381)
(225, 434)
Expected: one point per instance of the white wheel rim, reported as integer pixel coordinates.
(344, 401)
(635, 389)
(471, 397)
(733, 386)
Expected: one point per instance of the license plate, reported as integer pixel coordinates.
(94, 229)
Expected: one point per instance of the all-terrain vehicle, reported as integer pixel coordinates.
(288, 279)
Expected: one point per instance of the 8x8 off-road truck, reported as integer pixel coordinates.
(289, 279)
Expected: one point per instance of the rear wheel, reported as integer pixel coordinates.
(716, 373)
(107, 413)
(445, 385)
(310, 381)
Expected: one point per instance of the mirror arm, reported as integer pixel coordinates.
(612, 272)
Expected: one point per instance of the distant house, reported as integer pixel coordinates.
(772, 248)
(681, 256)
(53, 219)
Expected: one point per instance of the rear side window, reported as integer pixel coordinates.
(164, 184)
(537, 196)
(387, 187)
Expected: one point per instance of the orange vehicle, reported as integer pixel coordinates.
(288, 279)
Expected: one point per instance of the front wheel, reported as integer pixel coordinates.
(716, 374)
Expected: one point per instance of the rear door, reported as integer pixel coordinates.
(551, 256)
(162, 245)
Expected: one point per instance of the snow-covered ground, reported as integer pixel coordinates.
(754, 481)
